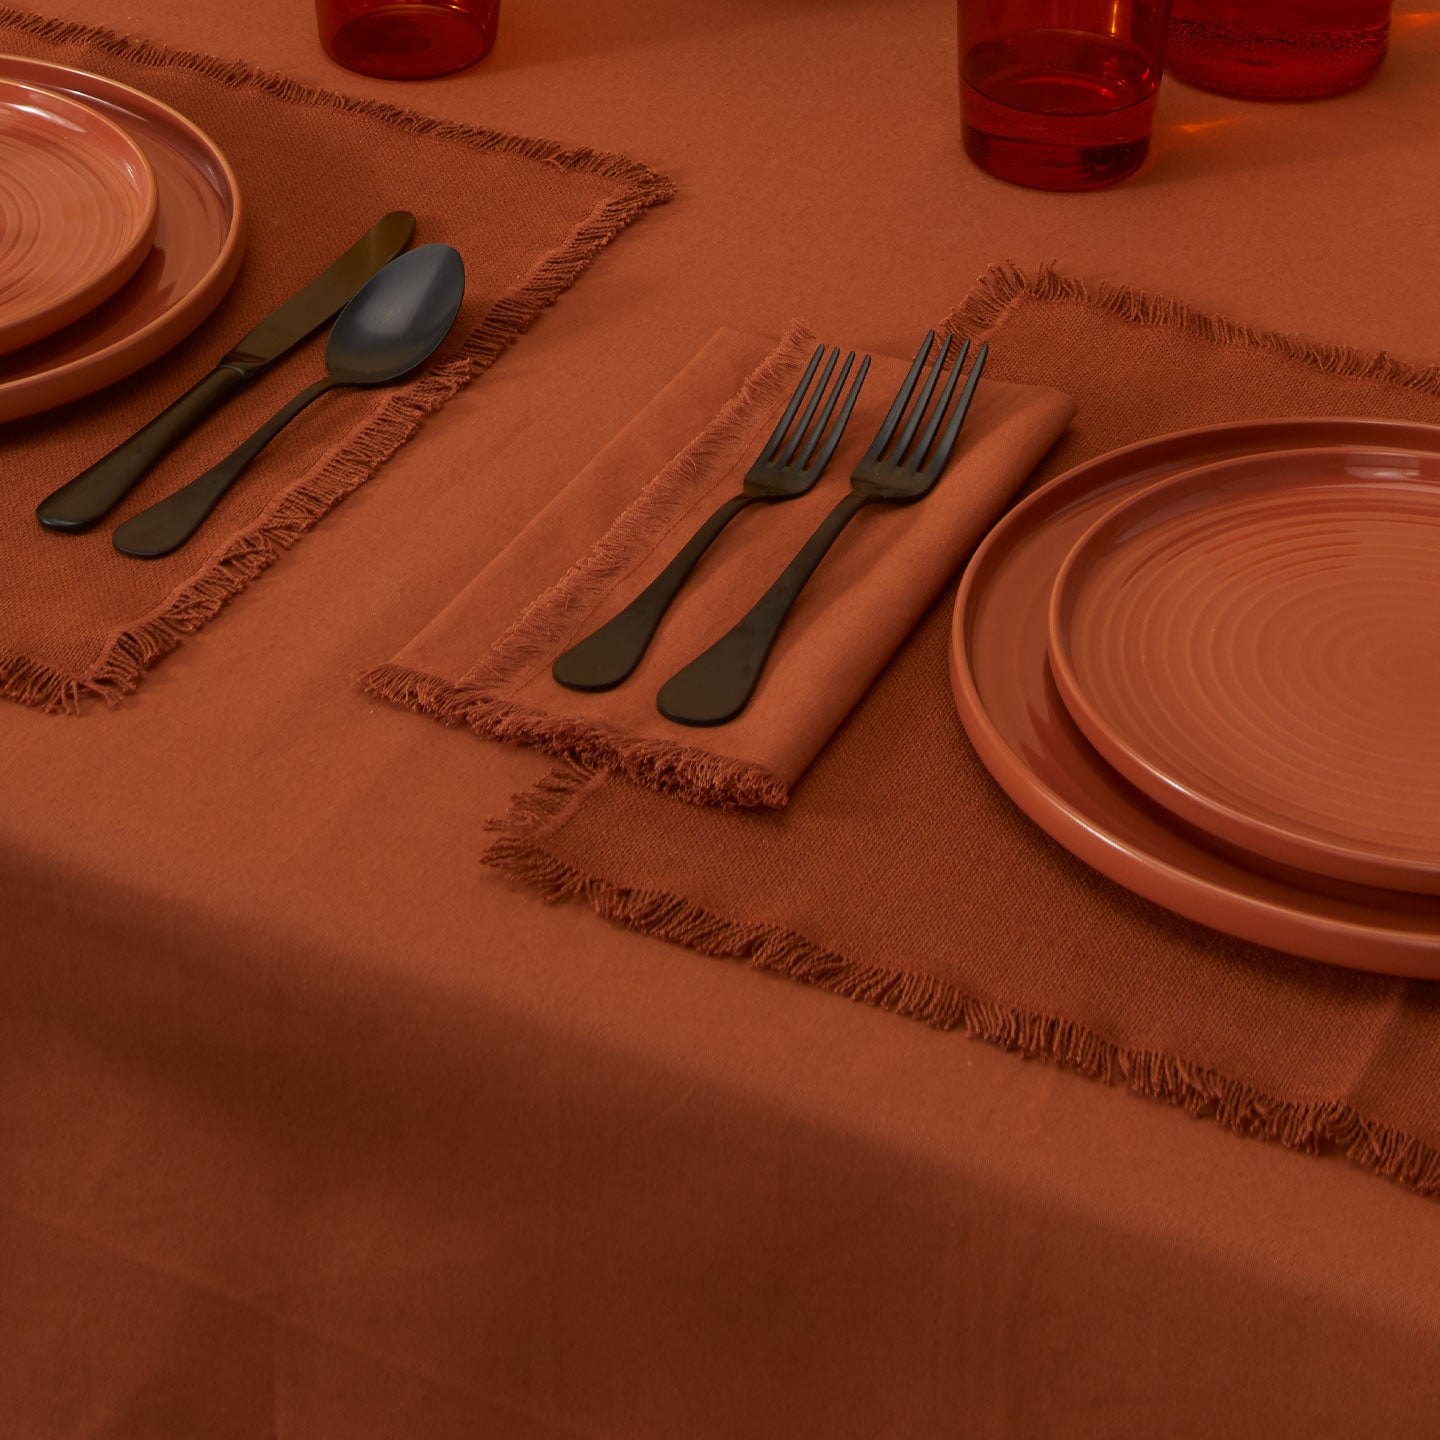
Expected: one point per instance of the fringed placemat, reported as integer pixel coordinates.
(901, 876)
(79, 621)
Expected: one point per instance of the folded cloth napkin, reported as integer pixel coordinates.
(880, 578)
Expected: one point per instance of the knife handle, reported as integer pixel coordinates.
(80, 502)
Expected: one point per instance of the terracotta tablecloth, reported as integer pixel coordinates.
(311, 1127)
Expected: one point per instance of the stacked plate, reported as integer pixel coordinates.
(1209, 665)
(120, 230)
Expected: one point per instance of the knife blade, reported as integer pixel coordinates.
(80, 502)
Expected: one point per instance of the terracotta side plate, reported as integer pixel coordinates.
(1022, 731)
(1256, 646)
(198, 242)
(77, 210)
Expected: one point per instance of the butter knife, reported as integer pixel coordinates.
(80, 502)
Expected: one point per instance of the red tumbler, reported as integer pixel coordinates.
(1277, 49)
(407, 39)
(1060, 94)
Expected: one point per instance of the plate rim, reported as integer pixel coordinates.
(1350, 944)
(150, 341)
(1224, 822)
(70, 304)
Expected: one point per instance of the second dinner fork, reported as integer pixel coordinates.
(788, 466)
(717, 685)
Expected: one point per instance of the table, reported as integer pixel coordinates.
(310, 1126)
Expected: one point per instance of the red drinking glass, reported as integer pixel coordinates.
(407, 39)
(1277, 49)
(1060, 94)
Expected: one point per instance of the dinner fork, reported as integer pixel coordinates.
(782, 471)
(717, 685)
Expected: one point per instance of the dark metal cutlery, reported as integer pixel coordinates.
(80, 502)
(789, 465)
(391, 327)
(717, 685)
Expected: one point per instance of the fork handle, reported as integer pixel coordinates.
(610, 654)
(717, 685)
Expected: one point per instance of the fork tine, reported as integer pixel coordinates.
(947, 440)
(897, 409)
(841, 420)
(922, 448)
(778, 434)
(824, 420)
(917, 410)
(809, 412)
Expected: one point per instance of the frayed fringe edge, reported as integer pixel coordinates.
(662, 766)
(550, 621)
(1203, 1093)
(133, 650)
(1004, 286)
(238, 75)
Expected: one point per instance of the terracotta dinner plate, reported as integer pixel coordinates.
(198, 241)
(1256, 645)
(77, 210)
(1019, 725)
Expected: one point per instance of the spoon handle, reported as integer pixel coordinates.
(170, 522)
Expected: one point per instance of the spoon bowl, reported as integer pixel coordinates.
(398, 318)
(393, 325)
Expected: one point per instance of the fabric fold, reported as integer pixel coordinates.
(866, 597)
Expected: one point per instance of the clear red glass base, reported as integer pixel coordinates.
(407, 39)
(1277, 49)
(1058, 109)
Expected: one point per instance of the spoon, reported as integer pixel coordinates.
(394, 324)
